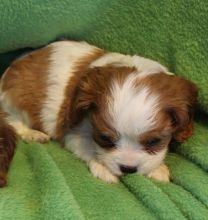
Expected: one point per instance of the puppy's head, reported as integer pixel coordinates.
(134, 117)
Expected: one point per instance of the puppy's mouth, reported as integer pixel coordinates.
(115, 167)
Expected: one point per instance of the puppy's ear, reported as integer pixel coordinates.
(182, 107)
(85, 99)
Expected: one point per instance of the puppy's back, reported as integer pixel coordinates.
(33, 87)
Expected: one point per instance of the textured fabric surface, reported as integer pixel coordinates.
(48, 182)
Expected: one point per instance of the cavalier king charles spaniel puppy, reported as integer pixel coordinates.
(116, 112)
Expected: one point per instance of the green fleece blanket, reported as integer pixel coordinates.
(48, 182)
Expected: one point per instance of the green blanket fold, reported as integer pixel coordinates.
(48, 182)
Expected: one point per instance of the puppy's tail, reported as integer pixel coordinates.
(7, 147)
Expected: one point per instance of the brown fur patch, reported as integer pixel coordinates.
(7, 148)
(177, 100)
(65, 118)
(25, 84)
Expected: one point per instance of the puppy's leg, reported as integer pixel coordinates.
(80, 142)
(101, 172)
(27, 134)
(161, 173)
(169, 73)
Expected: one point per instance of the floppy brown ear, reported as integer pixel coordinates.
(89, 92)
(80, 99)
(182, 109)
(185, 133)
(84, 97)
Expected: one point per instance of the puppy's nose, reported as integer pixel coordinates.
(128, 169)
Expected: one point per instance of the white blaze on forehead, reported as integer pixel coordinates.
(132, 109)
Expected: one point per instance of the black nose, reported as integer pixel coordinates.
(128, 169)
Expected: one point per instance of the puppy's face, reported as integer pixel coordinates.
(135, 117)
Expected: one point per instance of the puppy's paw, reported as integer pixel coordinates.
(161, 173)
(170, 73)
(34, 136)
(101, 172)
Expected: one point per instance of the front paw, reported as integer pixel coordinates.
(31, 135)
(101, 172)
(161, 173)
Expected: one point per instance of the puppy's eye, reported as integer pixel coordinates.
(153, 142)
(106, 141)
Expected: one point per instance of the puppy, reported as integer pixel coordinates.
(116, 112)
(7, 148)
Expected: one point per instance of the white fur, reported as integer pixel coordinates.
(132, 110)
(79, 141)
(130, 153)
(65, 55)
(16, 114)
(143, 65)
